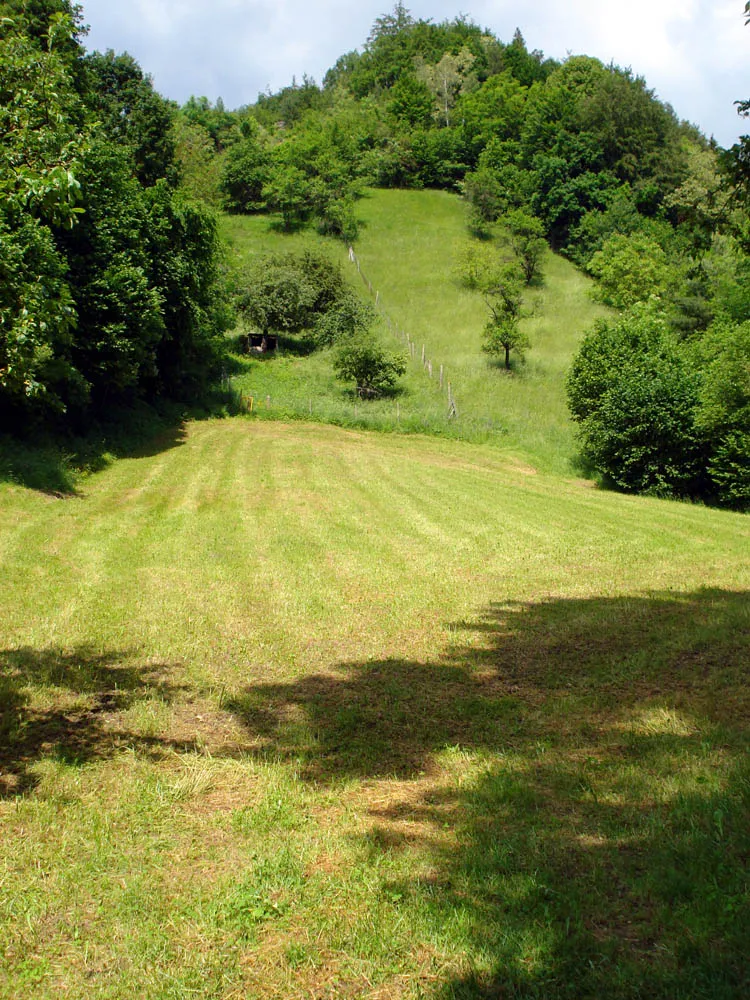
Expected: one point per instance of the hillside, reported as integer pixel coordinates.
(409, 247)
(295, 710)
(290, 710)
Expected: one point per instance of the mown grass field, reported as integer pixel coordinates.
(409, 247)
(293, 711)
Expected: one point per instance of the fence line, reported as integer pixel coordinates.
(410, 344)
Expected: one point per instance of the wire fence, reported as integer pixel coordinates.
(418, 357)
(384, 413)
(436, 414)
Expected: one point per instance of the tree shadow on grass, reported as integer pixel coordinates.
(52, 462)
(599, 845)
(90, 690)
(527, 665)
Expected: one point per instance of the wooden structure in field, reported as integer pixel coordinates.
(262, 342)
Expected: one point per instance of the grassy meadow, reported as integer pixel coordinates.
(409, 247)
(296, 711)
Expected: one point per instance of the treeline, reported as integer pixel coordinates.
(449, 105)
(108, 270)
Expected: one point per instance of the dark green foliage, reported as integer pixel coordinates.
(724, 411)
(215, 120)
(40, 126)
(311, 177)
(635, 398)
(691, 311)
(527, 67)
(120, 312)
(484, 192)
(290, 104)
(502, 291)
(198, 166)
(348, 316)
(410, 101)
(32, 19)
(186, 255)
(42, 147)
(290, 293)
(37, 319)
(503, 335)
(631, 269)
(131, 113)
(528, 243)
(492, 113)
(727, 269)
(337, 217)
(373, 370)
(437, 157)
(107, 277)
(245, 172)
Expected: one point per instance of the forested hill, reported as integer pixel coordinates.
(643, 202)
(449, 105)
(109, 259)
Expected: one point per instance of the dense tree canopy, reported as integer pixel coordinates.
(106, 271)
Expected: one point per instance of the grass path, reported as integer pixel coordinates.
(293, 711)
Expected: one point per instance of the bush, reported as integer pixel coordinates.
(349, 316)
(630, 269)
(372, 369)
(287, 292)
(635, 399)
(724, 411)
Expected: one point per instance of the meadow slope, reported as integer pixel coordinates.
(409, 248)
(296, 711)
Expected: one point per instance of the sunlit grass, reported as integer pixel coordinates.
(409, 248)
(293, 711)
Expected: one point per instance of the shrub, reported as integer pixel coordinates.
(372, 369)
(635, 399)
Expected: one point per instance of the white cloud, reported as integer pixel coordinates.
(693, 53)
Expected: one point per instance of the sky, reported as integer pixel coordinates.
(694, 54)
